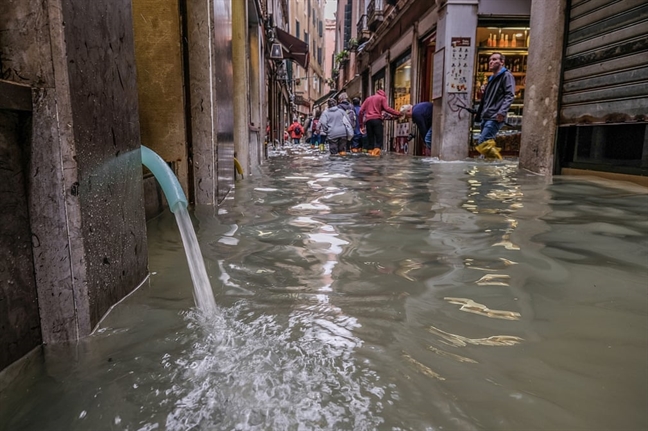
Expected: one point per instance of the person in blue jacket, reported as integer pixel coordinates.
(421, 115)
(358, 136)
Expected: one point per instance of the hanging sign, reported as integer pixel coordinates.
(460, 64)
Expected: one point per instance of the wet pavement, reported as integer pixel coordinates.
(362, 293)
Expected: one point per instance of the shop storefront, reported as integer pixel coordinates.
(512, 40)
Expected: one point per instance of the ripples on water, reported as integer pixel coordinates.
(360, 294)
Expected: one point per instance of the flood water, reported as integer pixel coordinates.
(363, 293)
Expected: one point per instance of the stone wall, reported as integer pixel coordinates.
(19, 322)
(104, 104)
(84, 194)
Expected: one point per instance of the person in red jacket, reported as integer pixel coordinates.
(296, 131)
(371, 120)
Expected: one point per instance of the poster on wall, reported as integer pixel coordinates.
(400, 143)
(460, 67)
(437, 78)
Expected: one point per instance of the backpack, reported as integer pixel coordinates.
(350, 112)
(352, 117)
(315, 123)
(298, 130)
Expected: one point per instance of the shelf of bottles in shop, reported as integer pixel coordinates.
(505, 41)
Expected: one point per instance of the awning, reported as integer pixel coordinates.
(294, 49)
(324, 98)
(353, 88)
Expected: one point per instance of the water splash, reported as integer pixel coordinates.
(247, 371)
(203, 295)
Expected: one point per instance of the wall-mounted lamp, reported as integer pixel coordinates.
(276, 52)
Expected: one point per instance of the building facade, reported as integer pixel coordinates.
(308, 84)
(584, 83)
(82, 86)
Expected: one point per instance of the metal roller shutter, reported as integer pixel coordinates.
(605, 69)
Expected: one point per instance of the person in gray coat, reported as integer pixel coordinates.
(335, 124)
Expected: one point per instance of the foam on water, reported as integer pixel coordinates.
(248, 371)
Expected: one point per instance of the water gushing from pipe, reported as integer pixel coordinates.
(203, 295)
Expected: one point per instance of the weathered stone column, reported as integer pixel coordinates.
(224, 96)
(200, 32)
(450, 124)
(240, 78)
(539, 122)
(258, 102)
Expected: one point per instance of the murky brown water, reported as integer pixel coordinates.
(361, 294)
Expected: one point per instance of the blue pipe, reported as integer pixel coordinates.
(165, 176)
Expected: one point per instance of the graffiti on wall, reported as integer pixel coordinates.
(456, 103)
(8, 73)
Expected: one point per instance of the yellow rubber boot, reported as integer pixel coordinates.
(489, 150)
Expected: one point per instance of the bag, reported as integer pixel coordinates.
(352, 117)
(298, 130)
(349, 128)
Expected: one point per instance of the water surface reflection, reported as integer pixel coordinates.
(365, 293)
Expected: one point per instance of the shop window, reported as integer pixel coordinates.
(617, 142)
(378, 81)
(402, 81)
(619, 148)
